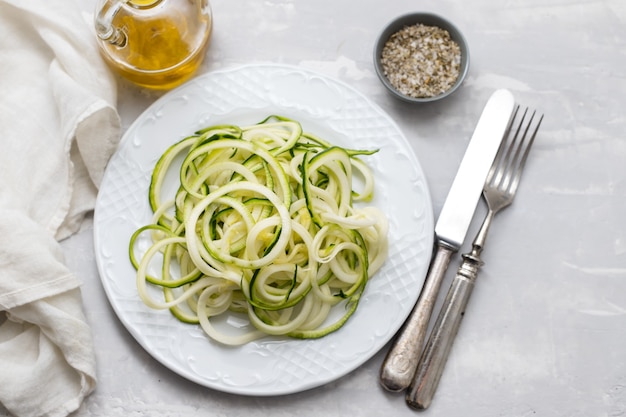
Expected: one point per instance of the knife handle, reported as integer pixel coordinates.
(401, 361)
(434, 358)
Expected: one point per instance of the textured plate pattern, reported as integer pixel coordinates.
(327, 108)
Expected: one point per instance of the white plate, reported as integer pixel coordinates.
(327, 108)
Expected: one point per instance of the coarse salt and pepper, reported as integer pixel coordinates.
(421, 60)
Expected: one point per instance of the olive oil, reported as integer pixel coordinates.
(162, 42)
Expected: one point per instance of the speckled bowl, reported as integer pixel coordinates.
(427, 19)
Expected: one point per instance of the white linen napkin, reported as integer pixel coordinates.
(58, 128)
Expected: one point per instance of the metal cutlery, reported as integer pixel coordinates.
(456, 215)
(499, 191)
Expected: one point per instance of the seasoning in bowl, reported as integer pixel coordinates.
(421, 60)
(421, 57)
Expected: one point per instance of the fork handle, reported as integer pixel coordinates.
(433, 360)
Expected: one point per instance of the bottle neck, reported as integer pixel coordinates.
(143, 4)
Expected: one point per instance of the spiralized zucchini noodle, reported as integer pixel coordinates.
(266, 223)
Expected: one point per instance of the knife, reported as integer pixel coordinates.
(454, 219)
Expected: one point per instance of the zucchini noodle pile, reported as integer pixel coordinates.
(263, 223)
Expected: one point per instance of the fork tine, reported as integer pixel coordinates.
(507, 169)
(516, 173)
(501, 149)
(505, 172)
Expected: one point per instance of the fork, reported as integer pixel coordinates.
(498, 192)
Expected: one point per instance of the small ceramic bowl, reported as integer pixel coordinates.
(426, 19)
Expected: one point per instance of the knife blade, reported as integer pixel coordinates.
(452, 224)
